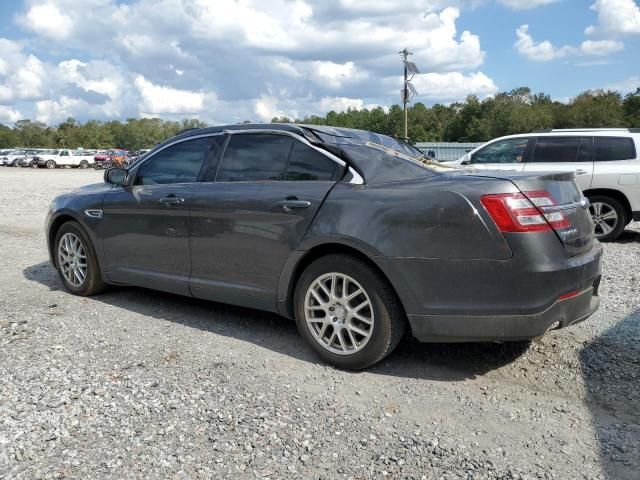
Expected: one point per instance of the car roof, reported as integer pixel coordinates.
(586, 132)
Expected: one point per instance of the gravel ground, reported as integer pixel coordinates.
(134, 383)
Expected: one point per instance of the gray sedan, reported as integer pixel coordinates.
(355, 235)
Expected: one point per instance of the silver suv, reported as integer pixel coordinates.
(606, 162)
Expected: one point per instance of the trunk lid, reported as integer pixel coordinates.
(578, 236)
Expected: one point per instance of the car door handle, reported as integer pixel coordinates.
(288, 205)
(581, 172)
(171, 200)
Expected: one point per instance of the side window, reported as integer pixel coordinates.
(179, 163)
(556, 149)
(255, 157)
(503, 151)
(307, 163)
(614, 148)
(64, 153)
(585, 151)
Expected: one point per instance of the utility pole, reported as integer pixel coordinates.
(408, 91)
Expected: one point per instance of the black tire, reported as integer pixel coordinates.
(621, 212)
(50, 164)
(93, 282)
(84, 164)
(389, 319)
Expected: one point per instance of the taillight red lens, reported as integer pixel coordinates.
(517, 212)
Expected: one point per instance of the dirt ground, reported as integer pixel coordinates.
(133, 383)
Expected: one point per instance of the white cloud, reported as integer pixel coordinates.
(453, 86)
(616, 16)
(234, 60)
(339, 104)
(540, 51)
(525, 4)
(627, 85)
(157, 99)
(47, 19)
(9, 115)
(546, 51)
(600, 47)
(22, 76)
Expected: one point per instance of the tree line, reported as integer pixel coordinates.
(473, 120)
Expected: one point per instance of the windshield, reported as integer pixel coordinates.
(55, 152)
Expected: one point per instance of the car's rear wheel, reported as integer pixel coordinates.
(50, 164)
(84, 164)
(76, 261)
(609, 217)
(347, 312)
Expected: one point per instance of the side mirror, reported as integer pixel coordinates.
(116, 176)
(466, 160)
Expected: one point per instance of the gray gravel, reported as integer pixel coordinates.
(134, 383)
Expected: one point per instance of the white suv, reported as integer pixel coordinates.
(606, 162)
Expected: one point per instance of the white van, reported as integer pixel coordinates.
(606, 162)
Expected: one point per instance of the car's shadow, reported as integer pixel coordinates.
(628, 236)
(447, 362)
(611, 370)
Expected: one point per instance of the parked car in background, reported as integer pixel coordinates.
(352, 233)
(101, 156)
(3, 155)
(111, 158)
(27, 160)
(65, 158)
(11, 157)
(606, 163)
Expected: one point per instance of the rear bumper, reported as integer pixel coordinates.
(478, 328)
(466, 300)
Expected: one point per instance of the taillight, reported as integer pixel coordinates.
(528, 212)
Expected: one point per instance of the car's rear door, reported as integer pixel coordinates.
(506, 154)
(253, 212)
(563, 154)
(617, 165)
(145, 226)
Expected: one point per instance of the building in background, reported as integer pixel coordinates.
(445, 151)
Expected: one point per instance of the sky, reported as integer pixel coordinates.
(226, 61)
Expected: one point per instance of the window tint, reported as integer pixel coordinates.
(64, 153)
(307, 163)
(614, 148)
(556, 149)
(503, 151)
(255, 157)
(585, 151)
(179, 163)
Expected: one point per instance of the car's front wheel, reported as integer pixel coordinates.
(609, 217)
(347, 312)
(50, 164)
(76, 261)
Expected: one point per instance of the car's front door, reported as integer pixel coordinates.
(563, 154)
(145, 226)
(246, 223)
(507, 154)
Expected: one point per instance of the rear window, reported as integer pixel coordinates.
(309, 164)
(556, 149)
(614, 148)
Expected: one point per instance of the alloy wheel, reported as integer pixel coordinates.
(339, 313)
(604, 217)
(72, 259)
